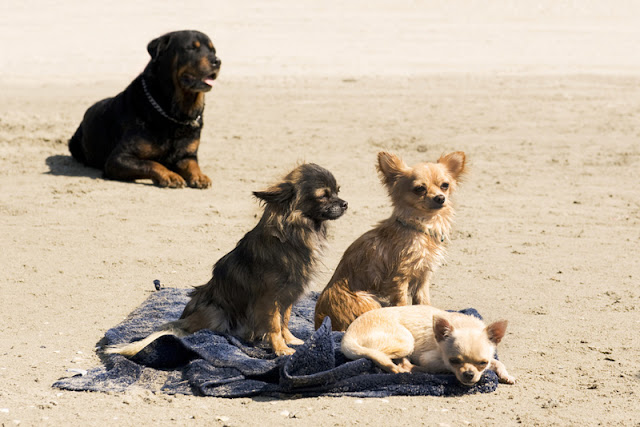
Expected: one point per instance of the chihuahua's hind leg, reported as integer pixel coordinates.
(385, 343)
(501, 371)
(379, 358)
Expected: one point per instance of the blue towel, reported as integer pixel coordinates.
(208, 363)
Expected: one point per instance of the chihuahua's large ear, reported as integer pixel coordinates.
(454, 162)
(496, 331)
(280, 194)
(390, 167)
(157, 46)
(441, 328)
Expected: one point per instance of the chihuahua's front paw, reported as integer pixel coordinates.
(285, 351)
(507, 379)
(294, 341)
(289, 338)
(500, 370)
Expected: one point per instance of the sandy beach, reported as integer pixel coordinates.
(543, 98)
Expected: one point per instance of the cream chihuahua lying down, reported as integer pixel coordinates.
(424, 338)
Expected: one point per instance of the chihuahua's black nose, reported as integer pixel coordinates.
(467, 375)
(439, 199)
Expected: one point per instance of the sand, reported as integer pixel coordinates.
(544, 98)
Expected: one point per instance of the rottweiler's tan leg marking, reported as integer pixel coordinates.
(190, 171)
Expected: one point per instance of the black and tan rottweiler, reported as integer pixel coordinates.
(151, 130)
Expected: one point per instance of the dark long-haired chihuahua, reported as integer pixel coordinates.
(254, 286)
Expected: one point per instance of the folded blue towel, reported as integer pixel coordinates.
(213, 364)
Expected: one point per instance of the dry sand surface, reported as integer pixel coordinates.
(544, 97)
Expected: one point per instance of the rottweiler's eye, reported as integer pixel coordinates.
(419, 189)
(444, 186)
(455, 361)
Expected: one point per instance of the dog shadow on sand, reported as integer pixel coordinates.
(61, 165)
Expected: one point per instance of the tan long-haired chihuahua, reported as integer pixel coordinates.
(391, 265)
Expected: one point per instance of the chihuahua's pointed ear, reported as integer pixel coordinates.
(442, 329)
(280, 194)
(455, 163)
(157, 46)
(390, 167)
(496, 331)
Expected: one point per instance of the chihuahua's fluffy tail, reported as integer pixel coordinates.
(131, 349)
(343, 306)
(196, 316)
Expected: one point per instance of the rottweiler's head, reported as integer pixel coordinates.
(187, 58)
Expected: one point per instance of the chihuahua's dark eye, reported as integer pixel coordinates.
(482, 364)
(455, 361)
(419, 189)
(444, 186)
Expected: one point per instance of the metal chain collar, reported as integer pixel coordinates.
(194, 123)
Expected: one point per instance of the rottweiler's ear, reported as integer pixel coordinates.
(157, 46)
(281, 193)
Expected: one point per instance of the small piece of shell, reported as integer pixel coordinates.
(77, 372)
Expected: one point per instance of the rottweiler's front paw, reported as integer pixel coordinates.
(170, 180)
(199, 181)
